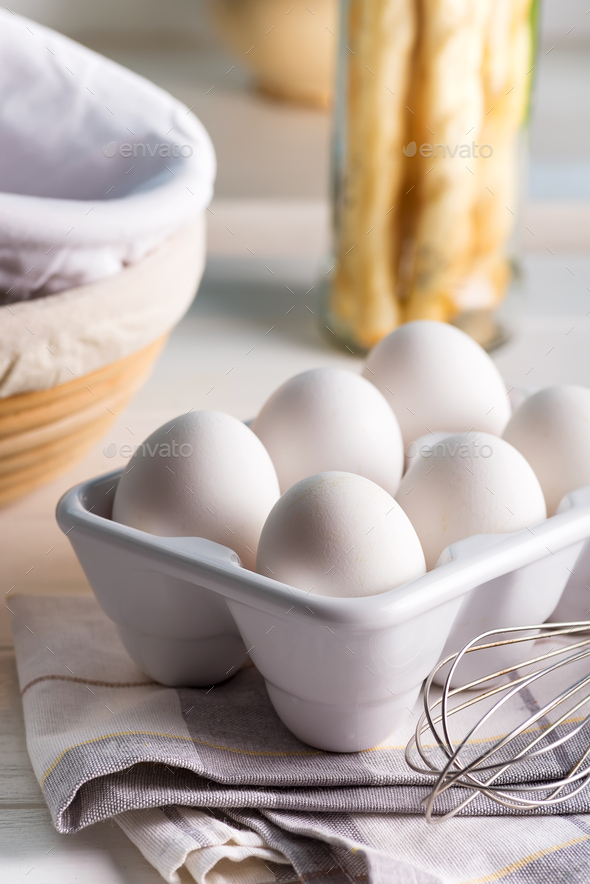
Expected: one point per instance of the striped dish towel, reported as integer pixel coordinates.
(211, 780)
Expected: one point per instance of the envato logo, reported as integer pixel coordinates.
(465, 151)
(449, 448)
(142, 149)
(161, 449)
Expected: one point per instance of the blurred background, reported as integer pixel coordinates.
(269, 221)
(273, 155)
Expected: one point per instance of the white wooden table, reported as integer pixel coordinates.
(234, 347)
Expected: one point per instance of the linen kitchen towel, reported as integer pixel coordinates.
(211, 779)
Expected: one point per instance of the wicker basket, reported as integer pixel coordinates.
(43, 433)
(102, 254)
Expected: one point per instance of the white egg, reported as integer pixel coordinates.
(552, 430)
(471, 484)
(339, 534)
(435, 377)
(331, 419)
(203, 474)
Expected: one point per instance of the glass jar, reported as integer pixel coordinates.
(428, 145)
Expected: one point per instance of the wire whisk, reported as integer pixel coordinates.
(542, 758)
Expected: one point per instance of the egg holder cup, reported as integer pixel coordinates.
(342, 673)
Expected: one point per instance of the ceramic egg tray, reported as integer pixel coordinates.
(342, 673)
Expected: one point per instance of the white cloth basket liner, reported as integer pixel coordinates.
(99, 166)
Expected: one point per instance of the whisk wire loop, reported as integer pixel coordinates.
(479, 773)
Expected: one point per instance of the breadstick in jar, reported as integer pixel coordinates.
(506, 73)
(381, 33)
(451, 106)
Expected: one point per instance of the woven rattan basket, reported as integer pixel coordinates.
(43, 433)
